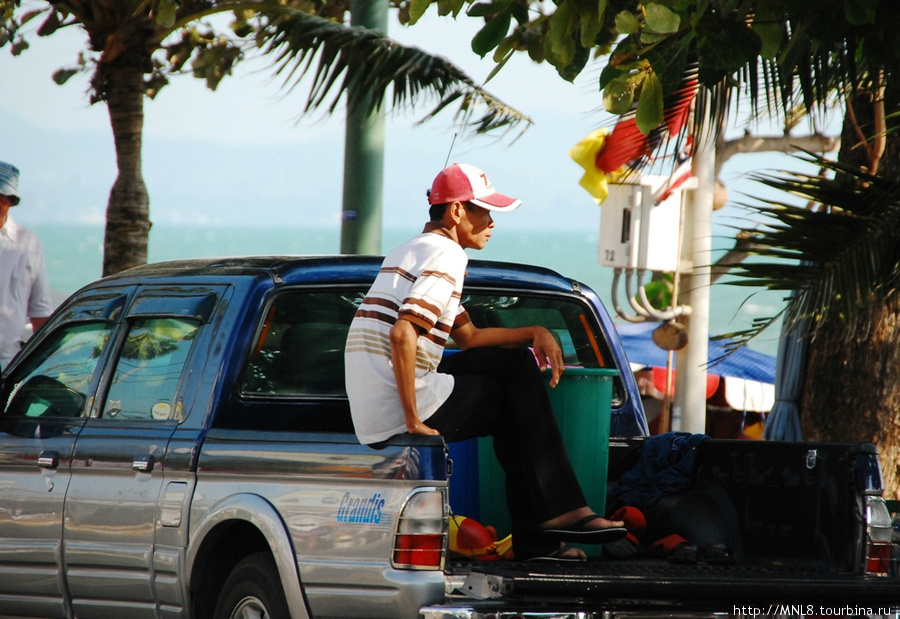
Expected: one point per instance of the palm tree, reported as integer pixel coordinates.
(135, 46)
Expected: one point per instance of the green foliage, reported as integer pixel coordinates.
(488, 9)
(559, 48)
(627, 23)
(161, 35)
(417, 10)
(860, 12)
(166, 13)
(591, 26)
(660, 20)
(621, 91)
(61, 76)
(649, 114)
(660, 290)
(492, 34)
(787, 52)
(450, 7)
(214, 61)
(728, 45)
(769, 27)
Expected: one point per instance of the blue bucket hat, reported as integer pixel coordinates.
(9, 181)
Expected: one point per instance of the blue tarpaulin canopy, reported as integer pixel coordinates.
(742, 363)
(745, 371)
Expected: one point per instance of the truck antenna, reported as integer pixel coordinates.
(450, 150)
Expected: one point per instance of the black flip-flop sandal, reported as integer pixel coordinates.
(717, 554)
(578, 534)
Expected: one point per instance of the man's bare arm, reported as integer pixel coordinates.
(404, 343)
(545, 346)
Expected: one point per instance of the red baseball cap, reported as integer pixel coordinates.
(467, 183)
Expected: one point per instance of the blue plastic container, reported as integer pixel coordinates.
(464, 495)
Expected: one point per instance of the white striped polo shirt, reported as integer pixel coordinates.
(422, 281)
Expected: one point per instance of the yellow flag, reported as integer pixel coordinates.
(594, 180)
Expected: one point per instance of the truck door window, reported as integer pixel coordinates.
(55, 382)
(148, 369)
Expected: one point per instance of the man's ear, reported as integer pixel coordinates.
(454, 211)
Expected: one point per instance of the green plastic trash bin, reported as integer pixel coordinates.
(582, 402)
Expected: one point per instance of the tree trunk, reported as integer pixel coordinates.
(852, 389)
(128, 209)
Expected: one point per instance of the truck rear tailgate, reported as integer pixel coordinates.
(718, 585)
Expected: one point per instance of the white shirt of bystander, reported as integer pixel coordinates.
(24, 287)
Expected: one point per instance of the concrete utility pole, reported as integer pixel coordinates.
(364, 155)
(689, 409)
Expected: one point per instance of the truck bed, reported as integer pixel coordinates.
(799, 508)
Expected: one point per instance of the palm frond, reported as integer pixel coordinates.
(836, 260)
(818, 63)
(364, 65)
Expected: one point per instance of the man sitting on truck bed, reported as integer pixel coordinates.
(398, 377)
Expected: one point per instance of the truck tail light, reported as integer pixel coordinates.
(420, 541)
(878, 537)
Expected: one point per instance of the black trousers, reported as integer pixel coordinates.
(499, 392)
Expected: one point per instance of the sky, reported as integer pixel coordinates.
(215, 157)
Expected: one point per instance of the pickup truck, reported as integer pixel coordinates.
(176, 443)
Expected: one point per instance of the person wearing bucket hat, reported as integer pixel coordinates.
(24, 288)
(398, 380)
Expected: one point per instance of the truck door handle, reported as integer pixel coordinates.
(143, 464)
(48, 459)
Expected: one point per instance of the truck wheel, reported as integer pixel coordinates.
(252, 591)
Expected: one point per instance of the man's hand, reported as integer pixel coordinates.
(548, 353)
(420, 428)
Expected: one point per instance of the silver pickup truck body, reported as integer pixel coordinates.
(176, 443)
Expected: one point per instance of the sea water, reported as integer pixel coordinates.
(74, 255)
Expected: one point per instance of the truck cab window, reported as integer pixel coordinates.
(55, 381)
(300, 350)
(148, 369)
(582, 346)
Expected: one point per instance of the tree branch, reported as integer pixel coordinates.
(749, 143)
(737, 254)
(880, 138)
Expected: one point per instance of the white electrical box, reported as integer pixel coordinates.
(636, 231)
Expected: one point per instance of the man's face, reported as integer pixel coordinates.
(475, 226)
(5, 204)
